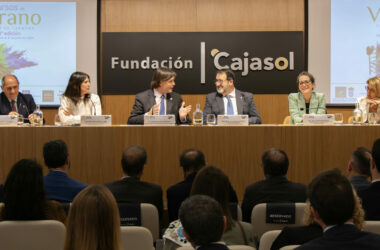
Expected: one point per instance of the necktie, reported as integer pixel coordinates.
(13, 106)
(162, 105)
(230, 109)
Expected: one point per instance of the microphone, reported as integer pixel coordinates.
(93, 105)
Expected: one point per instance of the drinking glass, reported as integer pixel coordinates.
(338, 118)
(20, 121)
(57, 120)
(211, 119)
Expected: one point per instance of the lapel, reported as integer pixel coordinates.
(151, 100)
(6, 103)
(313, 102)
(239, 101)
(169, 104)
(301, 103)
(220, 103)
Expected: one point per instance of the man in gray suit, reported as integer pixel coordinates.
(160, 100)
(227, 100)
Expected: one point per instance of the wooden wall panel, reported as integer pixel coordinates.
(95, 152)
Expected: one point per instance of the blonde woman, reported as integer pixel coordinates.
(93, 222)
(370, 103)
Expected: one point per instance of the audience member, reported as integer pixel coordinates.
(191, 161)
(371, 195)
(58, 185)
(24, 195)
(359, 168)
(332, 205)
(213, 182)
(298, 235)
(130, 188)
(93, 221)
(203, 222)
(12, 102)
(276, 187)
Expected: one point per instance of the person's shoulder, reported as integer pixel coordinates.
(297, 185)
(319, 94)
(26, 96)
(253, 186)
(145, 93)
(211, 95)
(151, 185)
(77, 183)
(293, 96)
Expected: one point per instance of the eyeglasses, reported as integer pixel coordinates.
(304, 83)
(369, 89)
(219, 81)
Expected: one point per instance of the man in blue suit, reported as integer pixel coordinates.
(227, 100)
(58, 185)
(14, 103)
(332, 205)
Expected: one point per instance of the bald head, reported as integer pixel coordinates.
(10, 86)
(192, 160)
(275, 162)
(133, 160)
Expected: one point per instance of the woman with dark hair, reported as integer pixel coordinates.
(77, 100)
(24, 195)
(93, 222)
(305, 101)
(213, 182)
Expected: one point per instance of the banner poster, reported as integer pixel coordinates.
(263, 62)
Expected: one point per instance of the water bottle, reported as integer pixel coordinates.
(357, 116)
(38, 117)
(198, 116)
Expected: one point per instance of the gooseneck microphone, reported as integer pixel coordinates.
(93, 105)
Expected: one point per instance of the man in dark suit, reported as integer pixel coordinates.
(191, 161)
(371, 195)
(359, 168)
(203, 222)
(276, 187)
(14, 103)
(160, 100)
(130, 188)
(58, 185)
(332, 205)
(227, 100)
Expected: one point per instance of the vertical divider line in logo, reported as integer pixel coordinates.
(203, 63)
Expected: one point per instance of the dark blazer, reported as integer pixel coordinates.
(25, 104)
(272, 189)
(213, 246)
(345, 236)
(131, 189)
(371, 201)
(297, 235)
(359, 182)
(177, 193)
(145, 100)
(60, 187)
(244, 103)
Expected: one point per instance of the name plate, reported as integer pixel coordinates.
(7, 120)
(96, 120)
(159, 120)
(233, 120)
(321, 119)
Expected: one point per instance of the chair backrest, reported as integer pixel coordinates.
(241, 247)
(286, 120)
(232, 247)
(133, 238)
(267, 239)
(372, 226)
(32, 235)
(290, 247)
(259, 222)
(147, 216)
(150, 219)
